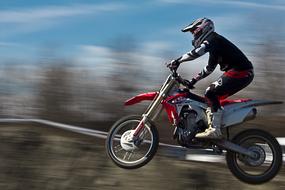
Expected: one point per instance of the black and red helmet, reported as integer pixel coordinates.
(201, 29)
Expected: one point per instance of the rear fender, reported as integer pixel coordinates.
(239, 112)
(141, 97)
(238, 116)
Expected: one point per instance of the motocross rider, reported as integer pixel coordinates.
(238, 70)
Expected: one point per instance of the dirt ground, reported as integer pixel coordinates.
(36, 157)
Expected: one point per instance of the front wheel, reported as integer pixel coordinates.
(264, 166)
(130, 154)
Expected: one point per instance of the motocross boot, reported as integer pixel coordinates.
(214, 123)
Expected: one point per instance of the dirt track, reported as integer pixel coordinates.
(41, 158)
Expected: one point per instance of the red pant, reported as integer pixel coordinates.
(228, 84)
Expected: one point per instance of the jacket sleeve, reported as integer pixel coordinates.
(208, 69)
(195, 53)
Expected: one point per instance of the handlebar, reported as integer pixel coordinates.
(179, 79)
(173, 71)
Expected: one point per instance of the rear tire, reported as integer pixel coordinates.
(233, 158)
(113, 138)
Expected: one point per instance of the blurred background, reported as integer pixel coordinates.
(76, 62)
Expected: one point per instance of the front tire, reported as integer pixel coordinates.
(142, 152)
(255, 170)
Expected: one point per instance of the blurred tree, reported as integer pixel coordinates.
(17, 89)
(55, 95)
(124, 78)
(270, 75)
(268, 48)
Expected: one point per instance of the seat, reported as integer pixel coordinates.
(228, 101)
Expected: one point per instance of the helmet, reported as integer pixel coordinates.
(201, 29)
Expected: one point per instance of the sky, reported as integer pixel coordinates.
(86, 30)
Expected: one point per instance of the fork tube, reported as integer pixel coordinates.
(162, 94)
(159, 92)
(154, 107)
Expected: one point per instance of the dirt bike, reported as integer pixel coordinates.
(254, 156)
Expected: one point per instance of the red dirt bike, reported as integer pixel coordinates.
(253, 156)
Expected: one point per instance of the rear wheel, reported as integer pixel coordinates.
(264, 166)
(128, 153)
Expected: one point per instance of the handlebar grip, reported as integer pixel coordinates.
(187, 83)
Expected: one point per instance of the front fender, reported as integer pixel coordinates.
(141, 97)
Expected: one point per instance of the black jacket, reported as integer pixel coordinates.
(222, 52)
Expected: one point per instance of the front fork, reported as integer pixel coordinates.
(155, 107)
(140, 126)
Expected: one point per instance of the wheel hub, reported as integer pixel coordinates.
(127, 141)
(258, 159)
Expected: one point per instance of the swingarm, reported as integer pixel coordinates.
(234, 147)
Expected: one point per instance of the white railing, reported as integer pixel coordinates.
(102, 134)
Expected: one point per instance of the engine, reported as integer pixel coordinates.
(187, 127)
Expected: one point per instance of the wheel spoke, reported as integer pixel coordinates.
(142, 136)
(125, 156)
(118, 148)
(130, 155)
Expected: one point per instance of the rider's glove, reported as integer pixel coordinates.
(193, 81)
(189, 84)
(174, 64)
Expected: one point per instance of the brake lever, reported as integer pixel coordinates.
(184, 83)
(179, 79)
